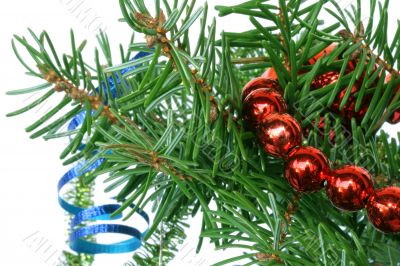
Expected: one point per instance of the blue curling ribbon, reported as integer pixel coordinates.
(77, 243)
(103, 212)
(73, 173)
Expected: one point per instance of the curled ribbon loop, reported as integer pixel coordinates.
(96, 213)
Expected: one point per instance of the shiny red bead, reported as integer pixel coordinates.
(279, 134)
(383, 209)
(259, 83)
(270, 74)
(259, 104)
(306, 169)
(349, 187)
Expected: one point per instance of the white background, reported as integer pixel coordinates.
(29, 170)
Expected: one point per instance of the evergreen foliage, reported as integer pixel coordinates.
(176, 137)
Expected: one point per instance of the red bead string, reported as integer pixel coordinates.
(307, 169)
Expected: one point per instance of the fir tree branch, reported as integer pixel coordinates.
(176, 120)
(81, 95)
(166, 47)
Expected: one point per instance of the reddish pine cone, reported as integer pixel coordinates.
(349, 109)
(349, 187)
(259, 83)
(279, 134)
(259, 104)
(324, 80)
(350, 67)
(321, 129)
(270, 74)
(395, 117)
(383, 209)
(323, 53)
(306, 169)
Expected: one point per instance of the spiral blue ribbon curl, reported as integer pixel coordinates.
(103, 212)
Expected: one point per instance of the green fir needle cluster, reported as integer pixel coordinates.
(178, 142)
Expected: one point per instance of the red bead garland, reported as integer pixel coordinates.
(349, 188)
(348, 111)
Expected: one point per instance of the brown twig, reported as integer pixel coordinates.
(152, 159)
(61, 84)
(382, 181)
(286, 61)
(249, 60)
(266, 257)
(291, 209)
